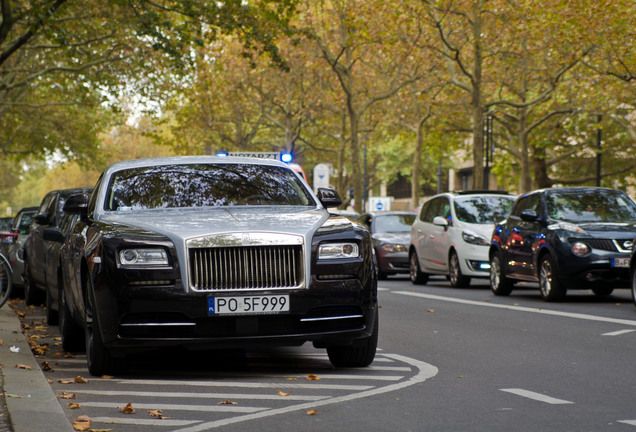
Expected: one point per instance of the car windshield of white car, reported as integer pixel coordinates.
(394, 223)
(482, 209)
(591, 206)
(204, 185)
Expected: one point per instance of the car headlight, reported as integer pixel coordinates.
(143, 257)
(393, 248)
(338, 250)
(474, 239)
(580, 249)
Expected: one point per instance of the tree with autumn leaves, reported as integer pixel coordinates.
(330, 79)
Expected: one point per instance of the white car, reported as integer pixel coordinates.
(451, 235)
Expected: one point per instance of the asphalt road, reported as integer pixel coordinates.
(450, 360)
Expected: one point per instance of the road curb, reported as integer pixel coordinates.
(32, 404)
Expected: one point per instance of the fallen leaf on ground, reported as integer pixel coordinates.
(430, 310)
(312, 412)
(227, 402)
(21, 366)
(13, 395)
(157, 413)
(69, 355)
(66, 395)
(46, 367)
(80, 380)
(128, 409)
(312, 377)
(73, 405)
(107, 377)
(82, 423)
(66, 381)
(282, 393)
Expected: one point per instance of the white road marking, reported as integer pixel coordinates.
(521, 308)
(425, 371)
(537, 396)
(618, 333)
(629, 422)
(175, 407)
(242, 384)
(223, 396)
(144, 422)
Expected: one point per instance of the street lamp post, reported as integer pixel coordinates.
(598, 149)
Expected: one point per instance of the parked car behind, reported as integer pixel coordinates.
(15, 251)
(565, 238)
(209, 252)
(40, 268)
(452, 233)
(7, 237)
(391, 232)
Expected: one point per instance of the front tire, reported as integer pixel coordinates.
(99, 358)
(359, 354)
(551, 288)
(455, 276)
(500, 285)
(72, 334)
(32, 295)
(416, 275)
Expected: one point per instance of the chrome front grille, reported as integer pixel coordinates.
(245, 267)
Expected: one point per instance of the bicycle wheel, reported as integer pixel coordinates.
(6, 280)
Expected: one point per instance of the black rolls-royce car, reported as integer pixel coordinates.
(209, 252)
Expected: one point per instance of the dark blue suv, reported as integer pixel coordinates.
(565, 238)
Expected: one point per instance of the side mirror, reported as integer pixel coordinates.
(76, 204)
(528, 215)
(328, 197)
(440, 221)
(53, 235)
(42, 219)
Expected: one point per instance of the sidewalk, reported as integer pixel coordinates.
(31, 403)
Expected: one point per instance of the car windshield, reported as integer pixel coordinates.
(393, 223)
(204, 185)
(482, 209)
(591, 206)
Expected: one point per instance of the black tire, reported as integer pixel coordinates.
(500, 285)
(551, 288)
(32, 296)
(6, 281)
(455, 276)
(99, 357)
(359, 354)
(52, 317)
(72, 333)
(417, 277)
(602, 291)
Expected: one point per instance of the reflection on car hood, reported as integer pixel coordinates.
(189, 223)
(609, 229)
(180, 225)
(390, 237)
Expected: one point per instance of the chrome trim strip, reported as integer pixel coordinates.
(330, 318)
(180, 324)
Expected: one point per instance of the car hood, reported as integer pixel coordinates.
(609, 229)
(391, 237)
(484, 230)
(182, 225)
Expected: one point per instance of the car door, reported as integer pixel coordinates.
(436, 252)
(37, 249)
(524, 226)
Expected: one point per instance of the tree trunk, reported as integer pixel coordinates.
(417, 165)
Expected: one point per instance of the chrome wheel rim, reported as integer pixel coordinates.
(494, 273)
(454, 269)
(545, 277)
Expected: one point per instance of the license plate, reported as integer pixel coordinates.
(620, 262)
(245, 305)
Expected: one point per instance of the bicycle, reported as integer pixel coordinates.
(6, 279)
